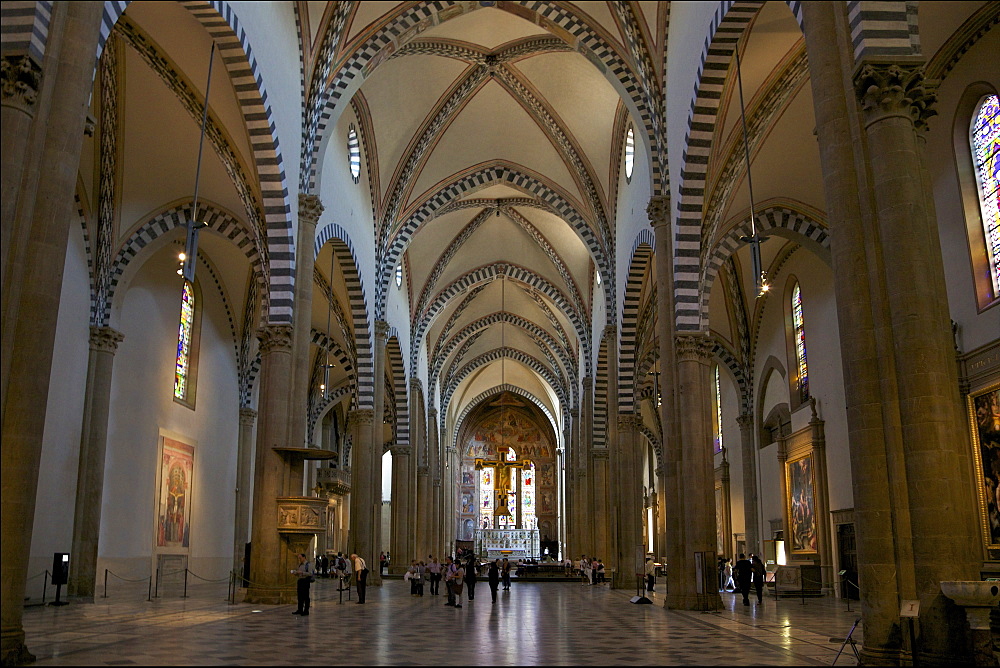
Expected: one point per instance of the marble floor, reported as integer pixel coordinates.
(533, 623)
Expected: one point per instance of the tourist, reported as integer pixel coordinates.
(593, 571)
(587, 571)
(744, 573)
(381, 563)
(494, 577)
(304, 574)
(421, 574)
(434, 569)
(411, 577)
(471, 576)
(727, 576)
(449, 569)
(600, 571)
(457, 581)
(720, 567)
(650, 574)
(759, 576)
(505, 574)
(361, 575)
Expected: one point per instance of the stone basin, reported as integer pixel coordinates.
(972, 593)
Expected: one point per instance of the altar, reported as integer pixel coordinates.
(512, 544)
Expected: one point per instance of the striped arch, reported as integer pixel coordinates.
(402, 426)
(785, 220)
(337, 395)
(510, 353)
(379, 45)
(26, 29)
(490, 273)
(325, 343)
(642, 253)
(477, 178)
(726, 358)
(601, 396)
(217, 219)
(883, 30)
(727, 27)
(344, 251)
(654, 441)
(221, 22)
(533, 330)
(494, 391)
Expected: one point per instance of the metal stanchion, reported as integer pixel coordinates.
(105, 583)
(45, 585)
(185, 583)
(149, 590)
(157, 589)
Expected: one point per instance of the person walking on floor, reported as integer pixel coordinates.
(456, 581)
(305, 578)
(493, 575)
(505, 574)
(381, 563)
(744, 574)
(727, 576)
(472, 576)
(759, 576)
(361, 573)
(650, 574)
(434, 570)
(446, 575)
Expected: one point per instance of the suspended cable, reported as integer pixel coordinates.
(193, 225)
(754, 240)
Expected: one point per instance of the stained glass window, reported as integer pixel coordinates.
(486, 498)
(399, 275)
(800, 343)
(511, 521)
(718, 412)
(528, 518)
(986, 158)
(354, 153)
(183, 364)
(629, 153)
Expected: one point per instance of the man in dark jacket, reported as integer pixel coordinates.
(743, 572)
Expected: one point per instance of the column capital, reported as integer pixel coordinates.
(310, 209)
(22, 79)
(658, 210)
(587, 381)
(247, 416)
(694, 347)
(745, 420)
(628, 421)
(415, 384)
(574, 413)
(886, 90)
(275, 338)
(362, 416)
(660, 471)
(381, 330)
(423, 469)
(599, 453)
(611, 329)
(105, 339)
(432, 412)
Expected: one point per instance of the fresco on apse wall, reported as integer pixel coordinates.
(984, 412)
(801, 507)
(510, 429)
(173, 527)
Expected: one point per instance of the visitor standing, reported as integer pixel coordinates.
(421, 575)
(472, 576)
(587, 570)
(411, 577)
(505, 574)
(744, 574)
(434, 570)
(305, 578)
(600, 571)
(361, 576)
(457, 580)
(446, 575)
(493, 575)
(727, 576)
(759, 576)
(650, 574)
(381, 563)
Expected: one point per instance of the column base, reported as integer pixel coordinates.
(699, 602)
(271, 595)
(880, 656)
(14, 651)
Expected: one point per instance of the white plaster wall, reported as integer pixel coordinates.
(630, 218)
(142, 404)
(731, 440)
(56, 495)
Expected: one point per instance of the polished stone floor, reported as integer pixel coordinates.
(533, 623)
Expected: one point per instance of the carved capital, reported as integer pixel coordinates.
(891, 90)
(611, 331)
(658, 210)
(745, 421)
(381, 330)
(599, 453)
(89, 126)
(22, 79)
(361, 416)
(693, 348)
(415, 385)
(401, 450)
(660, 471)
(310, 209)
(423, 470)
(105, 339)
(628, 422)
(275, 338)
(247, 417)
(432, 413)
(574, 413)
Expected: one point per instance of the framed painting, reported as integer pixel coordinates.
(173, 507)
(801, 505)
(984, 418)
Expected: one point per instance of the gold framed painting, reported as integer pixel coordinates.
(984, 423)
(800, 505)
(176, 475)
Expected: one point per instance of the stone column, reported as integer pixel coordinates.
(93, 446)
(270, 557)
(402, 523)
(244, 492)
(660, 513)
(885, 569)
(570, 485)
(378, 443)
(941, 518)
(434, 464)
(310, 209)
(604, 532)
(824, 536)
(749, 458)
(585, 471)
(697, 475)
(726, 521)
(629, 518)
(783, 485)
(448, 501)
(31, 293)
(361, 537)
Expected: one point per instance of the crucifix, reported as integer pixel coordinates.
(502, 485)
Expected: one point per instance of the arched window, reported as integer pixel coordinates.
(985, 145)
(510, 521)
(798, 329)
(718, 412)
(486, 498)
(399, 274)
(629, 153)
(528, 518)
(186, 359)
(354, 153)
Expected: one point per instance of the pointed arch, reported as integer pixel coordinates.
(642, 254)
(530, 362)
(494, 391)
(398, 369)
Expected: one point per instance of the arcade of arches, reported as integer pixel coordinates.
(605, 278)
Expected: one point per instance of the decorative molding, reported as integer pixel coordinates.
(694, 348)
(658, 210)
(310, 209)
(22, 79)
(893, 90)
(247, 417)
(301, 514)
(275, 338)
(361, 416)
(105, 339)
